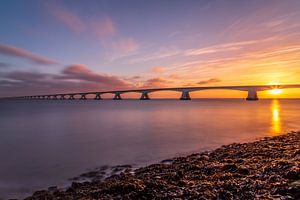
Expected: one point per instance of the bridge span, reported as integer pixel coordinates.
(185, 92)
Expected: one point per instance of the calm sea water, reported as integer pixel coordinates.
(44, 143)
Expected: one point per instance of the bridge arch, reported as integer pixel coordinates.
(218, 93)
(164, 94)
(131, 95)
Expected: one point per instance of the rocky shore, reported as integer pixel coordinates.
(265, 169)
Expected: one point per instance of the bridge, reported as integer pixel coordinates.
(185, 92)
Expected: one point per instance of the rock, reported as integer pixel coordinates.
(265, 169)
(293, 173)
(243, 171)
(230, 167)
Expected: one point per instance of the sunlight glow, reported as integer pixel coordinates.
(276, 91)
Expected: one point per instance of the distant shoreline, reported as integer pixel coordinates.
(268, 168)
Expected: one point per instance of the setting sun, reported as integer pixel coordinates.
(276, 91)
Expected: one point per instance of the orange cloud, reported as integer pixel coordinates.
(208, 81)
(156, 82)
(158, 69)
(22, 53)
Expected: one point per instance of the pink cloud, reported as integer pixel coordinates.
(83, 73)
(22, 53)
(158, 69)
(71, 20)
(104, 27)
(74, 78)
(125, 45)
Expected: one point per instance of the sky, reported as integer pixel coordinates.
(79, 46)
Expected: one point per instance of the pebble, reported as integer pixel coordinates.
(264, 169)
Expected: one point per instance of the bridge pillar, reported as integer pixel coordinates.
(71, 97)
(185, 95)
(117, 96)
(145, 96)
(83, 97)
(48, 97)
(252, 95)
(62, 97)
(98, 97)
(55, 97)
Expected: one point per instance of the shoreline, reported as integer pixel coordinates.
(265, 169)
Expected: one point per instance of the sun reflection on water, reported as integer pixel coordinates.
(276, 121)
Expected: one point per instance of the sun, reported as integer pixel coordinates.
(275, 91)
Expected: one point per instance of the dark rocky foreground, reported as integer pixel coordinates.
(266, 169)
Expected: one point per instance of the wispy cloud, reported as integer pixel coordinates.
(208, 81)
(232, 46)
(156, 83)
(125, 45)
(162, 53)
(258, 65)
(158, 70)
(101, 27)
(68, 18)
(22, 53)
(167, 52)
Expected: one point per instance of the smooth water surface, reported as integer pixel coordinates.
(43, 143)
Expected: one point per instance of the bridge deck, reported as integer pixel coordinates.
(252, 92)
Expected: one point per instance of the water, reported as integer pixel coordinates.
(43, 143)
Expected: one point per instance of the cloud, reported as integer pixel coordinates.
(232, 46)
(69, 19)
(125, 45)
(167, 52)
(208, 81)
(22, 53)
(2, 65)
(83, 73)
(162, 53)
(156, 82)
(158, 70)
(103, 27)
(74, 78)
(28, 77)
(136, 77)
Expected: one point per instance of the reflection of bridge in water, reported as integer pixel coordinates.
(185, 92)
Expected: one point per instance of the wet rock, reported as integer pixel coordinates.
(230, 167)
(293, 173)
(243, 171)
(265, 169)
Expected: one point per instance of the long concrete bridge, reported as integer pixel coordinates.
(185, 92)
